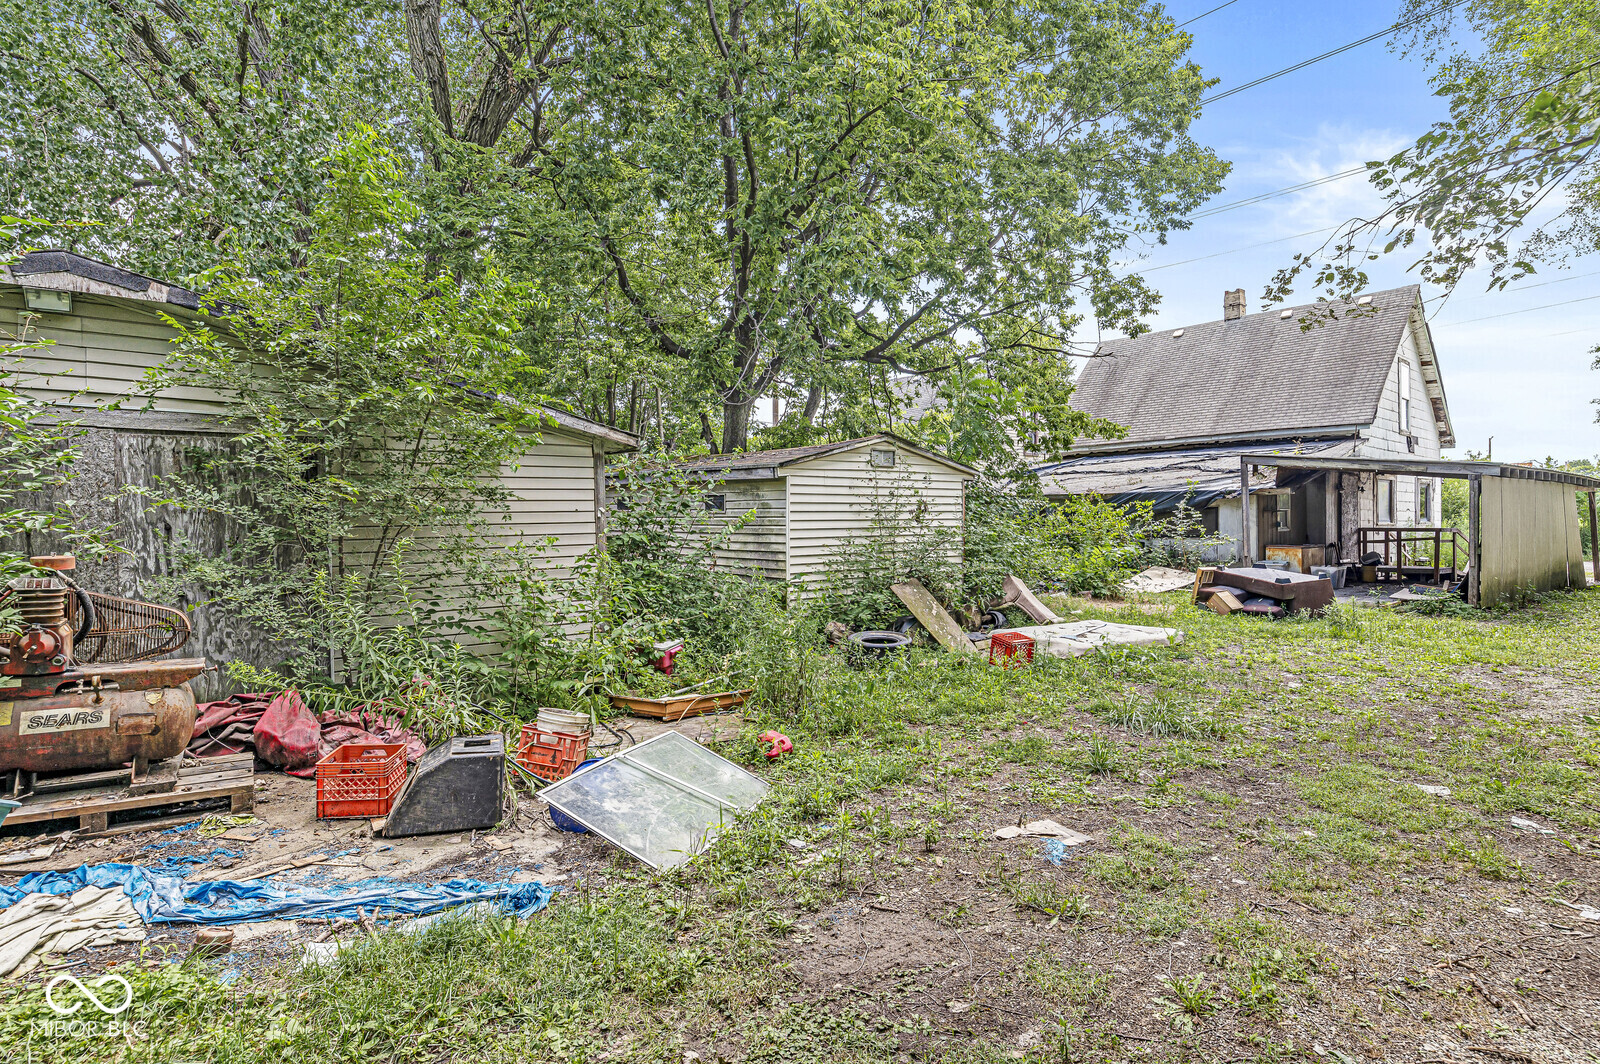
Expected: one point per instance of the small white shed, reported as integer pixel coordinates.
(809, 501)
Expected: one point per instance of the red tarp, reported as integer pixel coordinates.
(287, 735)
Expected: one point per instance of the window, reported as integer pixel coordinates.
(882, 459)
(1425, 502)
(1404, 368)
(1280, 515)
(1208, 520)
(1385, 502)
(716, 504)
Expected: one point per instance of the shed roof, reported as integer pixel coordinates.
(771, 463)
(1260, 374)
(67, 271)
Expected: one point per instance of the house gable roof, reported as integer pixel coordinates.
(1260, 374)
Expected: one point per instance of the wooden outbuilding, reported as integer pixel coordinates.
(106, 332)
(809, 502)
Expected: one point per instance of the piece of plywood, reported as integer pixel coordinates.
(1156, 580)
(920, 601)
(1017, 592)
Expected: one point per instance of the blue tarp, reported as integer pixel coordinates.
(163, 898)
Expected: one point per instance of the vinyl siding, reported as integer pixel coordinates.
(552, 495)
(1385, 439)
(101, 352)
(835, 498)
(757, 545)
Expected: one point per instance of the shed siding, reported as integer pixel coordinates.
(1528, 538)
(835, 497)
(102, 351)
(757, 545)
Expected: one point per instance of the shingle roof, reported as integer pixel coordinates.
(37, 264)
(1257, 374)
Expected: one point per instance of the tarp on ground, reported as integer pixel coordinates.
(159, 898)
(284, 733)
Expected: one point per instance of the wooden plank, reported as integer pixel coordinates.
(96, 810)
(1223, 603)
(1474, 561)
(924, 608)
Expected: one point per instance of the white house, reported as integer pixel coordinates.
(810, 501)
(1356, 379)
(106, 333)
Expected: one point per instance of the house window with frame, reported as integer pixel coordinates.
(1386, 502)
(1281, 513)
(1424, 501)
(881, 458)
(716, 504)
(1404, 369)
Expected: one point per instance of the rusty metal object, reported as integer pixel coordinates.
(95, 728)
(127, 630)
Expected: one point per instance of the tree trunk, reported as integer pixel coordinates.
(735, 423)
(813, 404)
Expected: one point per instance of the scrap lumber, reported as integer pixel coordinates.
(920, 601)
(1018, 594)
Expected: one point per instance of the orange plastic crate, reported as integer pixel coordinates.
(1012, 648)
(360, 779)
(550, 755)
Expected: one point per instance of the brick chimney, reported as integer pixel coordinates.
(1233, 304)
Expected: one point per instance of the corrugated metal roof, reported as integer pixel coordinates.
(1210, 472)
(1255, 374)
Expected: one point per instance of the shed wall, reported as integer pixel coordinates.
(836, 498)
(757, 544)
(1528, 538)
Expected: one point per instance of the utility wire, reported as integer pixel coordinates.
(1233, 251)
(1224, 94)
(1203, 14)
(1525, 310)
(1301, 187)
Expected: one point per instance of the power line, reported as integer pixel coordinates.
(1233, 251)
(1525, 310)
(1301, 187)
(1329, 55)
(1203, 14)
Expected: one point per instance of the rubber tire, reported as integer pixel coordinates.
(880, 642)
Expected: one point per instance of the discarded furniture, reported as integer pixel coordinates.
(1018, 594)
(1522, 528)
(662, 801)
(1298, 558)
(360, 780)
(458, 785)
(1295, 591)
(679, 707)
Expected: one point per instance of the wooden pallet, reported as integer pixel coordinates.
(210, 779)
(678, 707)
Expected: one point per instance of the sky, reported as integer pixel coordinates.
(1511, 372)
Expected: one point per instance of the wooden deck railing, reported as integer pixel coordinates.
(1415, 552)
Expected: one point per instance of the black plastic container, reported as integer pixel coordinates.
(457, 786)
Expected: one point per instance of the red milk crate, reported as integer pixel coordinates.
(1012, 648)
(360, 779)
(550, 755)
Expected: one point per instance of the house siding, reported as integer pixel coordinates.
(1384, 438)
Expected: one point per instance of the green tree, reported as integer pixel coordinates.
(1523, 128)
(790, 199)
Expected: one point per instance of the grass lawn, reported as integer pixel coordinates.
(1265, 880)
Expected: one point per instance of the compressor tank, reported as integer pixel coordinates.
(88, 729)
